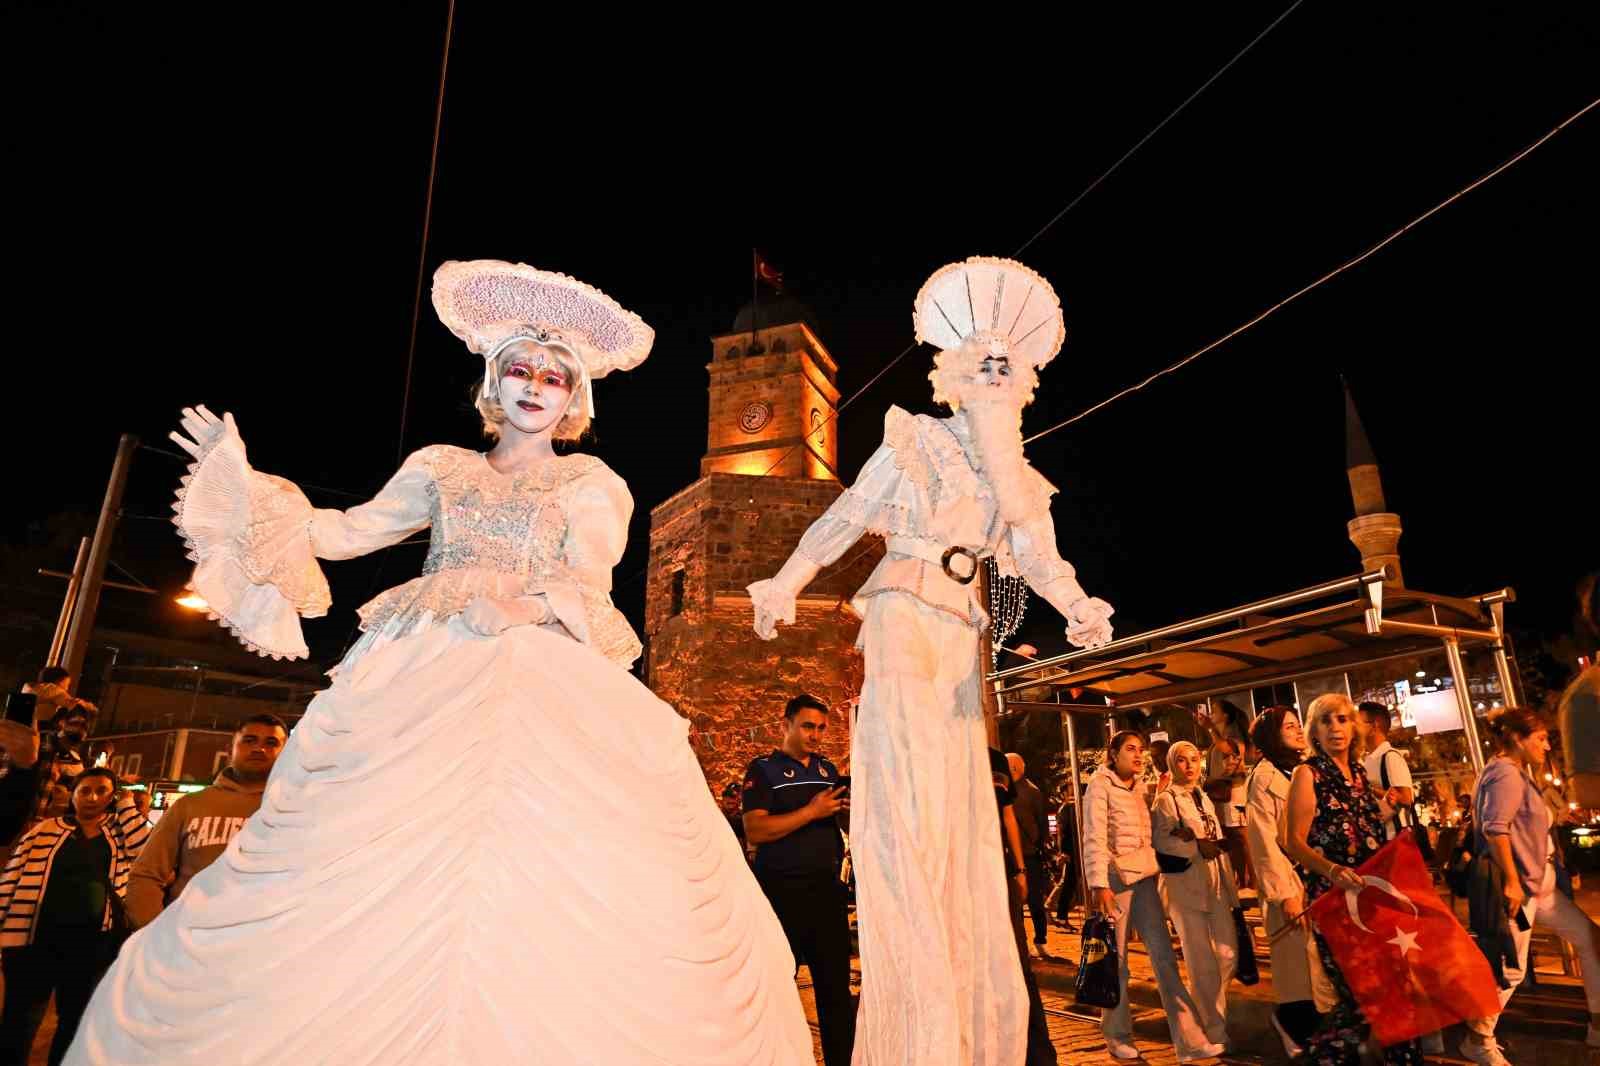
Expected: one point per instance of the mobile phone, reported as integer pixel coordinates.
(1522, 920)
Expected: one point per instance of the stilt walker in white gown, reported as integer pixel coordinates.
(941, 981)
(486, 842)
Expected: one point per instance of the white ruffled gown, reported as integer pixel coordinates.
(473, 849)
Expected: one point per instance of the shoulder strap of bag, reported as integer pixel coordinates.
(119, 912)
(1403, 815)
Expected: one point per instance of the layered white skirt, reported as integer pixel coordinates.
(472, 850)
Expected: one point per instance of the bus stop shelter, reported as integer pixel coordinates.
(1315, 634)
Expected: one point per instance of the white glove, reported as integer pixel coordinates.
(774, 599)
(1088, 622)
(489, 616)
(204, 428)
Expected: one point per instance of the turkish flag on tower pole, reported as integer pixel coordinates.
(1412, 967)
(765, 272)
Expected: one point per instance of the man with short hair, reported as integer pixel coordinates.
(1033, 825)
(195, 830)
(792, 800)
(52, 695)
(1387, 773)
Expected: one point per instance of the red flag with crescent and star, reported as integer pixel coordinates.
(1411, 966)
(766, 273)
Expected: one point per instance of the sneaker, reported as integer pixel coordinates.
(1487, 1053)
(1290, 1048)
(1118, 1049)
(1204, 1051)
(1433, 1044)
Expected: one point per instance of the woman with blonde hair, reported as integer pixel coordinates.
(1335, 826)
(1197, 883)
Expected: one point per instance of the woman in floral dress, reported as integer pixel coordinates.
(1334, 826)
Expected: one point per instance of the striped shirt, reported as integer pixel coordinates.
(22, 885)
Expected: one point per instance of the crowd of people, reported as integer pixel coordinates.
(792, 812)
(85, 866)
(1311, 801)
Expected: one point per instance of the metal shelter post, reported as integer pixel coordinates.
(1469, 719)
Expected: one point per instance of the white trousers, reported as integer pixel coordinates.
(1563, 917)
(1141, 905)
(941, 982)
(1211, 955)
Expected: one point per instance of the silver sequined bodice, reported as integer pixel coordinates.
(486, 519)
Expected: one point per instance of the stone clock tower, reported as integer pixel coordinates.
(765, 477)
(770, 388)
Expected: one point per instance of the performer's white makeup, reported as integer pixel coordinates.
(994, 380)
(535, 388)
(995, 372)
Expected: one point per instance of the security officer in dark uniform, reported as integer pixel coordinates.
(793, 803)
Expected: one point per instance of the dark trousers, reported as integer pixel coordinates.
(1233, 839)
(1069, 890)
(69, 965)
(1038, 885)
(1041, 1052)
(815, 917)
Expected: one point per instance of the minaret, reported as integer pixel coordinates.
(1375, 530)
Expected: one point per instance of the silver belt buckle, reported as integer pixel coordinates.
(950, 553)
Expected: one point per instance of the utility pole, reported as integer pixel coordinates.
(88, 599)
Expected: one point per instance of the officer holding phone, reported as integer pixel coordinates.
(795, 804)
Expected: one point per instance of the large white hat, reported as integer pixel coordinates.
(997, 300)
(490, 303)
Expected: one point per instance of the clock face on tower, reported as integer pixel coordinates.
(755, 416)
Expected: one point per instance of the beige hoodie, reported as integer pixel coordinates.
(189, 837)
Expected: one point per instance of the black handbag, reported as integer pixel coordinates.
(1407, 815)
(1246, 970)
(1099, 982)
(1172, 864)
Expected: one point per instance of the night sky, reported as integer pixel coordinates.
(228, 210)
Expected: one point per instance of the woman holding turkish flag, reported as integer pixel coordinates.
(1334, 826)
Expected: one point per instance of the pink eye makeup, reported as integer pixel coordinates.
(546, 374)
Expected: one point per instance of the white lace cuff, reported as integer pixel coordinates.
(246, 533)
(770, 599)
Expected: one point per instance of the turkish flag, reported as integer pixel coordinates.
(1412, 967)
(765, 272)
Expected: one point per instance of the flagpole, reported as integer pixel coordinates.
(755, 294)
